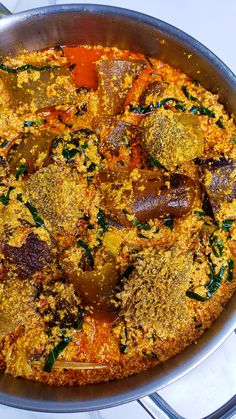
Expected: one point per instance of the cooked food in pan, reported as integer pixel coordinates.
(118, 209)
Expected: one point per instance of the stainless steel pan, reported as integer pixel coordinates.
(110, 26)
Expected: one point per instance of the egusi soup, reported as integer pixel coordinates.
(118, 207)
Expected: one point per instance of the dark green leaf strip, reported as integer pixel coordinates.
(35, 123)
(87, 250)
(230, 268)
(25, 67)
(20, 171)
(146, 109)
(140, 226)
(4, 199)
(227, 224)
(188, 95)
(55, 353)
(101, 221)
(169, 223)
(37, 219)
(154, 162)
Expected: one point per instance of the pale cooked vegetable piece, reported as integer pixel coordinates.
(32, 150)
(70, 365)
(172, 138)
(33, 89)
(115, 77)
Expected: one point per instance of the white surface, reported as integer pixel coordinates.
(213, 22)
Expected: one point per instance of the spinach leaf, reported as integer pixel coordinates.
(233, 140)
(202, 110)
(87, 250)
(4, 143)
(146, 109)
(140, 226)
(68, 154)
(154, 162)
(169, 223)
(216, 245)
(101, 221)
(212, 286)
(227, 224)
(20, 171)
(27, 67)
(188, 95)
(4, 199)
(55, 353)
(230, 268)
(220, 123)
(35, 123)
(180, 107)
(37, 219)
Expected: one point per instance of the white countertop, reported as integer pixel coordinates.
(213, 383)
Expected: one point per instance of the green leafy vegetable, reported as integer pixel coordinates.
(4, 199)
(188, 95)
(227, 224)
(37, 219)
(101, 221)
(154, 162)
(169, 223)
(80, 319)
(195, 296)
(180, 107)
(150, 108)
(200, 214)
(202, 110)
(3, 144)
(55, 353)
(69, 153)
(87, 250)
(35, 123)
(140, 226)
(220, 123)
(230, 268)
(216, 245)
(20, 171)
(233, 140)
(27, 67)
(91, 167)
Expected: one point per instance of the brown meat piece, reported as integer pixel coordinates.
(121, 135)
(172, 138)
(29, 149)
(152, 92)
(42, 89)
(152, 196)
(220, 181)
(31, 257)
(115, 77)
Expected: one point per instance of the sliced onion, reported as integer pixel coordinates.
(70, 365)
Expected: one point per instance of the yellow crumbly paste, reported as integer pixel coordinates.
(118, 208)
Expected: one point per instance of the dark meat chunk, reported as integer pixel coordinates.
(151, 196)
(172, 138)
(152, 92)
(43, 89)
(220, 181)
(121, 135)
(28, 151)
(115, 77)
(31, 257)
(59, 306)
